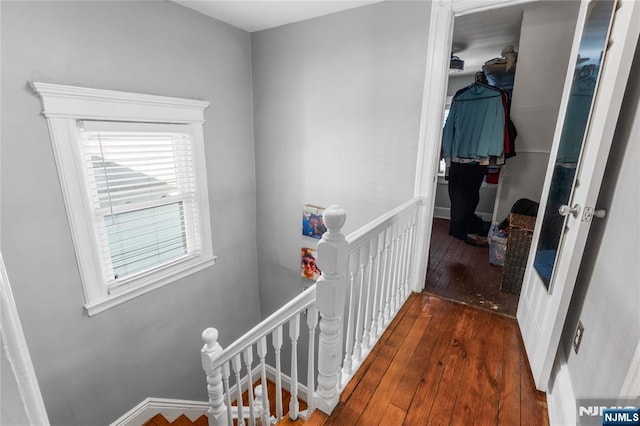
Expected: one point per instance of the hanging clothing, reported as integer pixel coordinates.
(475, 127)
(478, 134)
(510, 131)
(464, 192)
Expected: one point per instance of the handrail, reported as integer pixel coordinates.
(379, 265)
(366, 231)
(374, 266)
(266, 326)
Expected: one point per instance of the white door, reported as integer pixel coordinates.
(574, 175)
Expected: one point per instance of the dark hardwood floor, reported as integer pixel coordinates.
(442, 363)
(462, 273)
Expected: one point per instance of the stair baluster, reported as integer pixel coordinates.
(412, 244)
(395, 249)
(294, 334)
(259, 404)
(312, 322)
(407, 260)
(373, 331)
(357, 349)
(383, 280)
(347, 364)
(366, 336)
(236, 364)
(248, 360)
(399, 299)
(262, 353)
(276, 340)
(388, 305)
(226, 373)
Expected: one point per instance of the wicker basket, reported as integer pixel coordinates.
(518, 245)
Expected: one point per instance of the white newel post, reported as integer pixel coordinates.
(330, 302)
(217, 413)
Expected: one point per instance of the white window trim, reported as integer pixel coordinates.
(64, 106)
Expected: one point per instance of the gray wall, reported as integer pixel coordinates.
(337, 103)
(607, 289)
(92, 370)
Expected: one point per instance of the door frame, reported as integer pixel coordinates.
(442, 14)
(17, 353)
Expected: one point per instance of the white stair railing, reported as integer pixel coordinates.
(219, 364)
(378, 270)
(366, 278)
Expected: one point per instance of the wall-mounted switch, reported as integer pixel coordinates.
(577, 338)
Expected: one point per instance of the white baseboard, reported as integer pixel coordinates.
(171, 409)
(286, 382)
(445, 213)
(271, 375)
(631, 385)
(561, 399)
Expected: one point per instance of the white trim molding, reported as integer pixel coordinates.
(466, 7)
(64, 108)
(97, 104)
(561, 399)
(438, 49)
(631, 385)
(171, 409)
(14, 347)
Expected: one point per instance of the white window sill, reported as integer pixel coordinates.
(113, 300)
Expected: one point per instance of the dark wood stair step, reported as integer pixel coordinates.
(160, 420)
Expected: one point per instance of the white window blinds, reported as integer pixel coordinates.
(142, 189)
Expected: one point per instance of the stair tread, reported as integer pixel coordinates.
(317, 418)
(157, 420)
(182, 420)
(202, 421)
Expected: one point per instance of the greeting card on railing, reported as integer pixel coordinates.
(312, 223)
(309, 268)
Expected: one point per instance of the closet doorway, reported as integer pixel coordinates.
(541, 34)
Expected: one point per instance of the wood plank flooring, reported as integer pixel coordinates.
(462, 272)
(442, 363)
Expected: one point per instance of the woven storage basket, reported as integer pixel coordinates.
(518, 245)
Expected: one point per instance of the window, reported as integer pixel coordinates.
(131, 167)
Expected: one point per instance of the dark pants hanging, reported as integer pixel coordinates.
(464, 193)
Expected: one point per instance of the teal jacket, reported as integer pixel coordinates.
(476, 124)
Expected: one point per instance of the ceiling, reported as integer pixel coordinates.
(256, 15)
(482, 36)
(477, 37)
